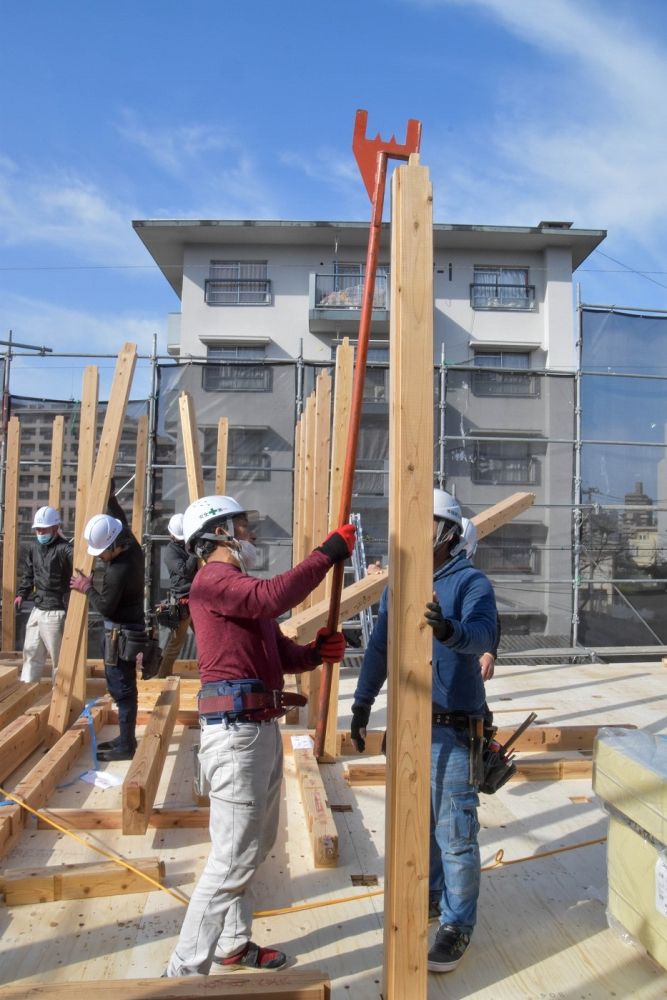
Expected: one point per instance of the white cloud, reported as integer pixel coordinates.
(43, 324)
(219, 176)
(580, 137)
(63, 210)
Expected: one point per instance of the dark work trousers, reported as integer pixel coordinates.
(122, 685)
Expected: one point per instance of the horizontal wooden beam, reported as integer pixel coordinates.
(291, 984)
(20, 738)
(22, 886)
(143, 776)
(303, 626)
(20, 699)
(318, 815)
(112, 819)
(526, 770)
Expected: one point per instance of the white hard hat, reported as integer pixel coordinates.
(207, 509)
(100, 532)
(446, 507)
(46, 517)
(469, 537)
(175, 526)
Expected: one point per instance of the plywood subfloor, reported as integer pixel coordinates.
(542, 929)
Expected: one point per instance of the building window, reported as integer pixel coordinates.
(501, 288)
(503, 383)
(248, 458)
(504, 463)
(236, 373)
(237, 283)
(509, 550)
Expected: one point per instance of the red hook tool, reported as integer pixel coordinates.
(372, 156)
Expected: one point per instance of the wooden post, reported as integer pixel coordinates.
(10, 545)
(55, 480)
(321, 446)
(341, 416)
(139, 498)
(84, 474)
(63, 704)
(191, 447)
(410, 585)
(221, 457)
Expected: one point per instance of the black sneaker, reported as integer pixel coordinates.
(448, 948)
(433, 906)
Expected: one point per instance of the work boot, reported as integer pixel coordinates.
(108, 744)
(119, 752)
(254, 957)
(447, 949)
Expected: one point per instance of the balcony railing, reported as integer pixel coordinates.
(237, 292)
(489, 383)
(505, 471)
(253, 468)
(334, 291)
(484, 296)
(508, 559)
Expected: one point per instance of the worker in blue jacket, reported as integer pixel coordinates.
(464, 622)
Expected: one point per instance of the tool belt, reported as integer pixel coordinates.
(459, 720)
(172, 612)
(127, 644)
(244, 701)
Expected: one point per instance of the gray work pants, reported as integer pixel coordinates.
(243, 764)
(43, 634)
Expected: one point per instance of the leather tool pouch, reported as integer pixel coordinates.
(131, 644)
(111, 648)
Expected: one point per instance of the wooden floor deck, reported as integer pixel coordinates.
(542, 930)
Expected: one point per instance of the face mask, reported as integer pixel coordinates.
(45, 539)
(248, 553)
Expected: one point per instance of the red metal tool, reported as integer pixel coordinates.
(371, 156)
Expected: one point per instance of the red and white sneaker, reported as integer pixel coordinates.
(254, 957)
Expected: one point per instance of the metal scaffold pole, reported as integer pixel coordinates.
(577, 511)
(442, 402)
(150, 477)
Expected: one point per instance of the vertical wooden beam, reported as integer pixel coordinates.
(341, 416)
(410, 585)
(56, 477)
(139, 498)
(321, 447)
(84, 473)
(64, 704)
(10, 542)
(191, 447)
(221, 457)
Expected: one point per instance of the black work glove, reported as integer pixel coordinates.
(360, 716)
(442, 627)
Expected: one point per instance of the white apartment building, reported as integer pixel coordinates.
(260, 292)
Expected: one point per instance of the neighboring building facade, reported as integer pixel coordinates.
(257, 297)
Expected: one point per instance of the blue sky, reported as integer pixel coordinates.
(531, 109)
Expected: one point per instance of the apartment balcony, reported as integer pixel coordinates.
(502, 297)
(334, 303)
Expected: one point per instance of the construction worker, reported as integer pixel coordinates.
(182, 567)
(45, 581)
(463, 618)
(243, 657)
(120, 602)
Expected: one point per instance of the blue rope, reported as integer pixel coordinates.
(86, 713)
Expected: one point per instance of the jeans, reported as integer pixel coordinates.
(454, 852)
(43, 634)
(122, 686)
(243, 764)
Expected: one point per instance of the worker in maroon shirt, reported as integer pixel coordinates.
(243, 657)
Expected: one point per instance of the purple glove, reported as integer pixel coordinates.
(18, 601)
(80, 582)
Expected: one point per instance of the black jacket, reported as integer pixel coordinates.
(120, 599)
(46, 574)
(182, 568)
